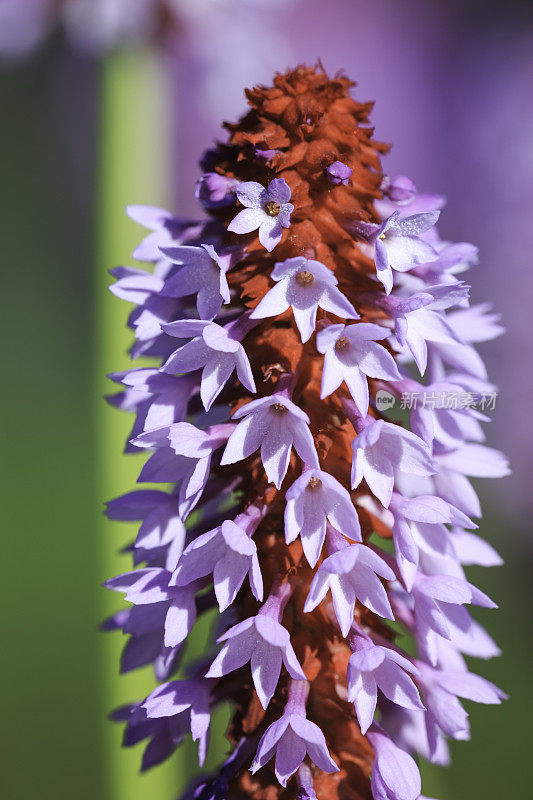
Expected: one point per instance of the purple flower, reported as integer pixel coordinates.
(417, 320)
(264, 642)
(167, 230)
(151, 586)
(398, 243)
(230, 554)
(275, 424)
(382, 450)
(350, 354)
(395, 775)
(213, 350)
(189, 699)
(419, 523)
(339, 173)
(203, 272)
(447, 422)
(373, 666)
(182, 454)
(314, 499)
(304, 285)
(436, 604)
(400, 193)
(400, 189)
(157, 399)
(267, 209)
(292, 737)
(351, 574)
(161, 528)
(441, 689)
(216, 191)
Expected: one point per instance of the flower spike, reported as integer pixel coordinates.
(303, 511)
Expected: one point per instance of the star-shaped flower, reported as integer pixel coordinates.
(213, 350)
(350, 354)
(312, 500)
(381, 451)
(371, 667)
(267, 209)
(304, 285)
(203, 272)
(230, 554)
(398, 243)
(275, 424)
(351, 573)
(264, 642)
(291, 738)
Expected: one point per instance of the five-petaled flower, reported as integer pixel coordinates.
(398, 243)
(351, 354)
(213, 350)
(292, 737)
(203, 272)
(314, 499)
(304, 285)
(275, 424)
(267, 209)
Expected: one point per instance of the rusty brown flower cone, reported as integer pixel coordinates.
(312, 121)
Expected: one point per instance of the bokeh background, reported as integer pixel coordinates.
(82, 133)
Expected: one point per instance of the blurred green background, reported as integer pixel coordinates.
(78, 141)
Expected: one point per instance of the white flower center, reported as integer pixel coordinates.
(314, 483)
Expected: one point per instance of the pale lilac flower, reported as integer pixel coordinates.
(166, 230)
(381, 450)
(161, 528)
(351, 574)
(441, 416)
(441, 689)
(267, 209)
(395, 775)
(338, 173)
(437, 601)
(400, 194)
(398, 243)
(314, 499)
(419, 523)
(371, 667)
(203, 272)
(417, 319)
(230, 554)
(216, 191)
(152, 586)
(275, 424)
(188, 698)
(292, 737)
(182, 454)
(303, 285)
(213, 350)
(264, 642)
(161, 399)
(351, 354)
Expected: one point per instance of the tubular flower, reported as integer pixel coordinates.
(276, 327)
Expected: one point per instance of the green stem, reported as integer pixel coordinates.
(133, 160)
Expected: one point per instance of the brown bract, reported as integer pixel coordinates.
(312, 121)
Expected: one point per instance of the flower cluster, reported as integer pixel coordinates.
(298, 513)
